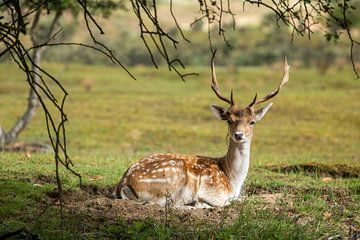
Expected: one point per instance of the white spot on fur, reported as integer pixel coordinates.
(155, 180)
(206, 177)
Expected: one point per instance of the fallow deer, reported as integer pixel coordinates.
(189, 180)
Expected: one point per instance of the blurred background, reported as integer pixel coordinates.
(315, 117)
(256, 40)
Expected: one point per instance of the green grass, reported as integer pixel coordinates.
(315, 118)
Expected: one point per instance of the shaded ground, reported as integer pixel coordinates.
(269, 210)
(96, 203)
(28, 148)
(286, 211)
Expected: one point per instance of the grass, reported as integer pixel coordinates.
(114, 121)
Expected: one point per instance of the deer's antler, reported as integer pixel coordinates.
(215, 86)
(274, 93)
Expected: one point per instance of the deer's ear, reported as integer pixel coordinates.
(219, 111)
(260, 113)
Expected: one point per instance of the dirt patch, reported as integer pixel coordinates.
(97, 203)
(271, 198)
(312, 168)
(96, 190)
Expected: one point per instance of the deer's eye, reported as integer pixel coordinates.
(252, 123)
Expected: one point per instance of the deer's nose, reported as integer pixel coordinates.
(238, 135)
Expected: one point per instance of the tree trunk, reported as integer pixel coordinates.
(33, 101)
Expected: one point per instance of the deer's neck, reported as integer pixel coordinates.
(236, 164)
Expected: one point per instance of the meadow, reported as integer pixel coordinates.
(114, 121)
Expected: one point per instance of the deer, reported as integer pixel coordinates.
(199, 181)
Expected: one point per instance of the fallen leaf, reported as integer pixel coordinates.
(327, 215)
(327, 179)
(96, 178)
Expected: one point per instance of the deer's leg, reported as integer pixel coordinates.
(184, 196)
(126, 192)
(187, 195)
(212, 197)
(203, 205)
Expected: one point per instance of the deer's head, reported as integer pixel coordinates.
(241, 121)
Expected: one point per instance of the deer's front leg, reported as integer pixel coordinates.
(214, 190)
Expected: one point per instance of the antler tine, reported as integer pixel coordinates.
(232, 97)
(282, 83)
(214, 84)
(253, 101)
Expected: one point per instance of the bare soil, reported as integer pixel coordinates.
(97, 203)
